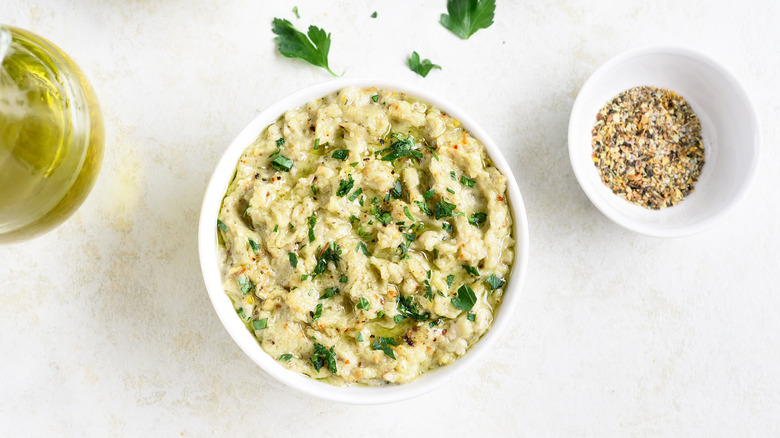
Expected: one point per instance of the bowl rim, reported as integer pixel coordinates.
(615, 215)
(207, 244)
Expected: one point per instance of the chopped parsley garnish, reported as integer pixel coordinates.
(398, 319)
(408, 213)
(362, 247)
(396, 191)
(429, 194)
(260, 324)
(450, 279)
(355, 194)
(360, 337)
(468, 16)
(322, 355)
(471, 270)
(452, 175)
(465, 299)
(331, 253)
(446, 227)
(343, 279)
(345, 186)
(477, 219)
(295, 11)
(316, 143)
(375, 97)
(317, 312)
(276, 228)
(471, 317)
(254, 245)
(424, 207)
(314, 191)
(329, 292)
(341, 154)
(466, 181)
(494, 282)
(384, 344)
(221, 225)
(282, 163)
(292, 43)
(433, 324)
(362, 304)
(293, 259)
(373, 15)
(401, 147)
(450, 190)
(241, 313)
(246, 284)
(384, 217)
(286, 357)
(245, 210)
(408, 309)
(421, 68)
(312, 223)
(380, 314)
(280, 142)
(443, 209)
(428, 290)
(304, 277)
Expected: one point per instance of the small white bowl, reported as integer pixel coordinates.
(207, 248)
(730, 134)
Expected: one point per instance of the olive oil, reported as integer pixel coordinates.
(51, 137)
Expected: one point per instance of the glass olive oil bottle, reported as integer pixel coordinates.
(51, 135)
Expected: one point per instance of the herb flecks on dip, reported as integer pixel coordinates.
(366, 238)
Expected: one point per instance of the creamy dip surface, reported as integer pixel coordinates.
(366, 238)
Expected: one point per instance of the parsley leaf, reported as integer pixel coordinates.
(293, 259)
(450, 279)
(254, 245)
(345, 186)
(384, 345)
(429, 194)
(286, 357)
(329, 292)
(408, 213)
(322, 355)
(292, 43)
(317, 312)
(471, 317)
(401, 147)
(260, 324)
(330, 253)
(384, 217)
(494, 282)
(466, 181)
(396, 191)
(282, 163)
(407, 308)
(468, 16)
(443, 209)
(312, 223)
(246, 284)
(362, 304)
(355, 194)
(341, 154)
(424, 207)
(477, 219)
(471, 270)
(421, 68)
(221, 225)
(465, 299)
(362, 247)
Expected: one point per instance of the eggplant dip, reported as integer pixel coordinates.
(366, 238)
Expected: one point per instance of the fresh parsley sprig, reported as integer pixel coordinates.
(292, 43)
(468, 16)
(423, 67)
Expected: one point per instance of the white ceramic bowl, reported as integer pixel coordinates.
(207, 246)
(730, 134)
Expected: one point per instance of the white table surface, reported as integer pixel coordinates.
(106, 328)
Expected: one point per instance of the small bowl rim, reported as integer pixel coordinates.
(207, 244)
(614, 214)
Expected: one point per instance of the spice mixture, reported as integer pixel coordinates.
(647, 146)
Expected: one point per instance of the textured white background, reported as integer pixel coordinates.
(106, 328)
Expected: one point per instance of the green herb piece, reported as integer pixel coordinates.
(443, 209)
(313, 191)
(428, 290)
(317, 312)
(363, 304)
(360, 337)
(471, 317)
(354, 164)
(280, 142)
(375, 97)
(292, 227)
(312, 223)
(410, 237)
(397, 190)
(322, 355)
(384, 344)
(384, 217)
(362, 247)
(380, 314)
(329, 292)
(401, 147)
(452, 175)
(340, 154)
(276, 228)
(260, 324)
(316, 143)
(408, 308)
(355, 194)
(254, 245)
(450, 190)
(331, 253)
(471, 270)
(466, 181)
(465, 299)
(478, 219)
(424, 207)
(282, 163)
(408, 213)
(450, 279)
(292, 43)
(295, 11)
(286, 357)
(293, 259)
(245, 210)
(435, 252)
(398, 319)
(241, 313)
(433, 324)
(494, 282)
(373, 15)
(468, 16)
(345, 186)
(246, 284)
(429, 194)
(446, 227)
(221, 225)
(421, 68)
(304, 277)
(343, 279)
